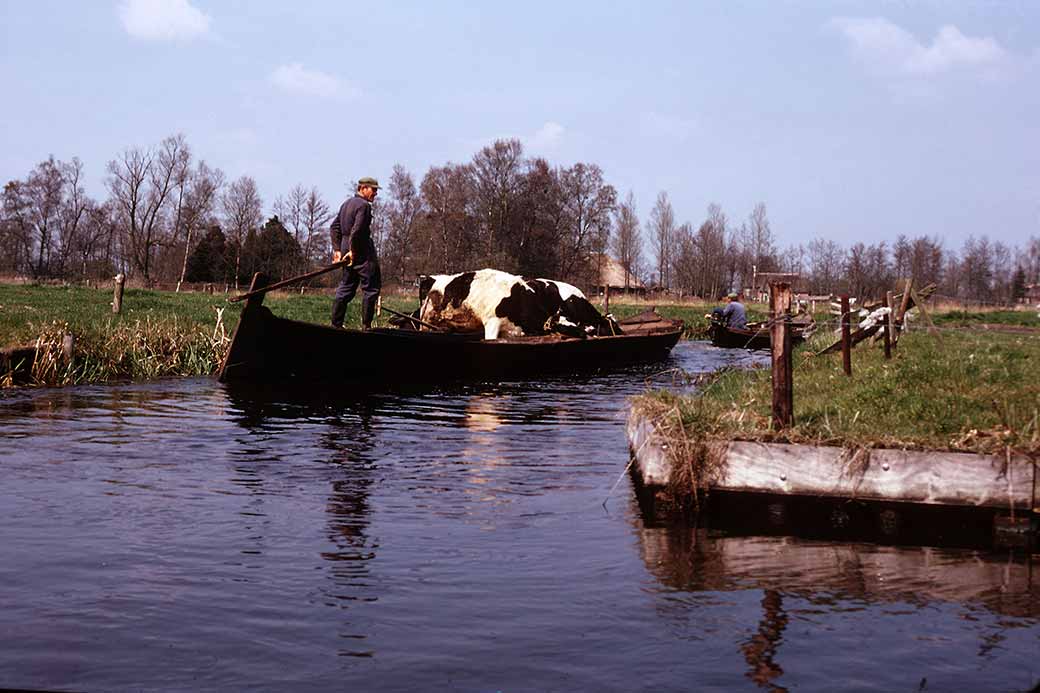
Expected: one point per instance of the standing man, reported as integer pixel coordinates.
(351, 232)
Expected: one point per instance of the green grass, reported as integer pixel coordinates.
(959, 391)
(157, 333)
(961, 318)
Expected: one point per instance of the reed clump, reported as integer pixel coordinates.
(125, 350)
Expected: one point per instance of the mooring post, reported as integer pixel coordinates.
(893, 324)
(117, 297)
(846, 335)
(887, 326)
(783, 396)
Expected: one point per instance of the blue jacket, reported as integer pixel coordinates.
(735, 315)
(351, 230)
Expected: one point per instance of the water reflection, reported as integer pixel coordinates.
(828, 578)
(346, 439)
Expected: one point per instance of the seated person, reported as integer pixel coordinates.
(733, 315)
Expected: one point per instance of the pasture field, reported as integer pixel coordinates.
(954, 390)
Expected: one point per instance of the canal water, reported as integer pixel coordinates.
(183, 535)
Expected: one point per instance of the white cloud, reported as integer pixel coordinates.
(297, 79)
(546, 138)
(881, 42)
(163, 20)
(674, 127)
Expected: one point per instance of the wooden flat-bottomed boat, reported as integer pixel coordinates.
(755, 336)
(267, 347)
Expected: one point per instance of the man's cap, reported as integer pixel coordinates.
(731, 294)
(369, 182)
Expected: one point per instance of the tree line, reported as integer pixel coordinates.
(171, 218)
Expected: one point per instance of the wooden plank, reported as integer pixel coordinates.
(931, 478)
(925, 477)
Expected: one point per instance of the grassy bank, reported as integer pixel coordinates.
(157, 334)
(959, 390)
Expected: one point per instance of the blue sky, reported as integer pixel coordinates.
(849, 120)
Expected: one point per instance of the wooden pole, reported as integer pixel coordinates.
(606, 298)
(846, 335)
(903, 304)
(783, 396)
(924, 311)
(117, 297)
(287, 282)
(887, 328)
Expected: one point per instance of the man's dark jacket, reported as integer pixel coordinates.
(351, 230)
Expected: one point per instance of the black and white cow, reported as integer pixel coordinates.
(503, 304)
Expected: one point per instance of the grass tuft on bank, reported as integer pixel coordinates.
(157, 334)
(964, 390)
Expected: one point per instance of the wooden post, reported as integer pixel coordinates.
(924, 311)
(846, 335)
(901, 317)
(606, 298)
(68, 343)
(887, 327)
(117, 297)
(783, 396)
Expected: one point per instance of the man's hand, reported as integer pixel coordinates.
(335, 256)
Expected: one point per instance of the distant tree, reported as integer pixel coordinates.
(661, 229)
(537, 243)
(826, 265)
(1031, 260)
(449, 229)
(243, 212)
(32, 209)
(626, 243)
(497, 172)
(207, 262)
(756, 248)
(271, 250)
(402, 212)
(140, 183)
(588, 203)
(1018, 285)
(199, 207)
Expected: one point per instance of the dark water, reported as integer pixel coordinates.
(183, 536)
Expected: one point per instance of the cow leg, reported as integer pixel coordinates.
(492, 328)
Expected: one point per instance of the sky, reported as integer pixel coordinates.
(851, 121)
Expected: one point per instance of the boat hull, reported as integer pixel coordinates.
(266, 347)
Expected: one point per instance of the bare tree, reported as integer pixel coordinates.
(826, 265)
(316, 217)
(626, 243)
(449, 230)
(588, 203)
(662, 229)
(402, 212)
(497, 172)
(140, 183)
(199, 207)
(243, 213)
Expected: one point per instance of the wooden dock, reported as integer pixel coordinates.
(1006, 491)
